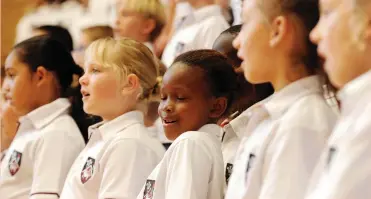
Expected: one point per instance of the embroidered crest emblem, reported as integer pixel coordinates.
(330, 157)
(149, 189)
(250, 163)
(228, 172)
(15, 162)
(88, 170)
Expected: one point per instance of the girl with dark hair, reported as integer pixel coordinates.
(51, 129)
(288, 131)
(196, 91)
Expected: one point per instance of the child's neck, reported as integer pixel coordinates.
(112, 116)
(201, 4)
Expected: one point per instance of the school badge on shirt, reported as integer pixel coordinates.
(15, 162)
(228, 172)
(149, 189)
(250, 163)
(88, 170)
(330, 157)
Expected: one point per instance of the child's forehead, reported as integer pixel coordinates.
(181, 74)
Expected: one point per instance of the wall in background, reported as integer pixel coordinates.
(11, 12)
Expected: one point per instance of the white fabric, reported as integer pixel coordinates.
(344, 171)
(201, 34)
(192, 168)
(158, 132)
(236, 6)
(64, 15)
(233, 133)
(122, 155)
(41, 141)
(289, 131)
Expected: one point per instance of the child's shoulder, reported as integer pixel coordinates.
(139, 135)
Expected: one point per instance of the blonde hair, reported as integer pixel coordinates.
(127, 56)
(151, 9)
(358, 22)
(97, 32)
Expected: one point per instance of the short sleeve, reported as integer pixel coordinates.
(53, 156)
(290, 160)
(127, 164)
(188, 172)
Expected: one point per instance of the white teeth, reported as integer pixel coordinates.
(169, 121)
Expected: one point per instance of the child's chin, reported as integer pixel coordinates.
(172, 135)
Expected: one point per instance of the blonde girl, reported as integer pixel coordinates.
(119, 78)
(142, 20)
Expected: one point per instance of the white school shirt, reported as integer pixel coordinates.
(233, 133)
(115, 163)
(37, 162)
(192, 168)
(344, 170)
(236, 6)
(64, 15)
(289, 132)
(157, 131)
(207, 26)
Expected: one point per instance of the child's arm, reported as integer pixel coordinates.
(53, 156)
(189, 171)
(126, 164)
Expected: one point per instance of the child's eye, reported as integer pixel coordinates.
(10, 75)
(181, 98)
(163, 97)
(94, 70)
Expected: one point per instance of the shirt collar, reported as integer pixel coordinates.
(355, 88)
(206, 12)
(281, 100)
(111, 128)
(45, 114)
(237, 127)
(211, 128)
(149, 45)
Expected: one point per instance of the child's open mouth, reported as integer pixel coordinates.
(84, 94)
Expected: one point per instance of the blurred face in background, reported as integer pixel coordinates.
(132, 24)
(343, 35)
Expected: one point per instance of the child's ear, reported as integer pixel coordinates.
(279, 29)
(218, 107)
(368, 32)
(150, 25)
(41, 75)
(132, 84)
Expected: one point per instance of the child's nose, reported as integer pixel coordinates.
(83, 80)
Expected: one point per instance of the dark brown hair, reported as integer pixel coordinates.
(249, 93)
(218, 71)
(51, 54)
